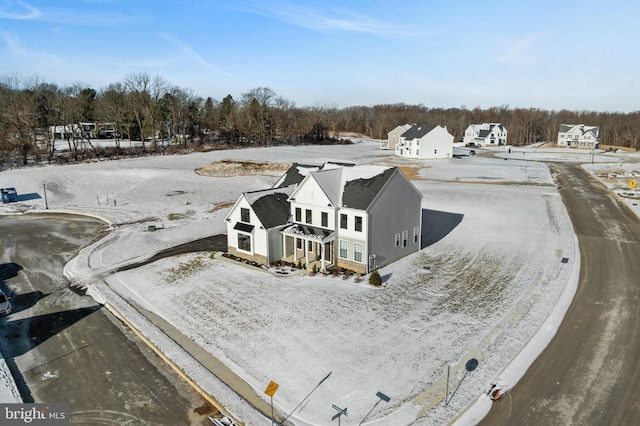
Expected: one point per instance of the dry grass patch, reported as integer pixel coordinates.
(221, 205)
(226, 168)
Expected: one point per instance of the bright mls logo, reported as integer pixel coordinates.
(34, 414)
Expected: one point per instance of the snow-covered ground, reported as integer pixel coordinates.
(490, 283)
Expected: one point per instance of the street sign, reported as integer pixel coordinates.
(383, 397)
(271, 389)
(471, 365)
(340, 411)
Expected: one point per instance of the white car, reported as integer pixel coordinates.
(5, 305)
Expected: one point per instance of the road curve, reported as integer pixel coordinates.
(589, 374)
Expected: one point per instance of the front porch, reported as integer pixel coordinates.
(308, 245)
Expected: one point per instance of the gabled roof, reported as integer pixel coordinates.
(582, 129)
(418, 131)
(354, 187)
(271, 206)
(359, 193)
(294, 175)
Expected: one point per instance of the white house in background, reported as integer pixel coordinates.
(83, 130)
(425, 142)
(485, 134)
(354, 217)
(393, 137)
(579, 136)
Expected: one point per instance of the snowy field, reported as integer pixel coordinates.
(490, 282)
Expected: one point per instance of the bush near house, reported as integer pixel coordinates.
(375, 278)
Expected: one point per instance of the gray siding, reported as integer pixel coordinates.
(398, 209)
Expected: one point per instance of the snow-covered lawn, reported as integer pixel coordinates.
(485, 285)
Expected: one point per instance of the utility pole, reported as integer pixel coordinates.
(46, 204)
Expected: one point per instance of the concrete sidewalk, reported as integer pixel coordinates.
(211, 363)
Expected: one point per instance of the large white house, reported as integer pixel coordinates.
(393, 137)
(354, 217)
(424, 141)
(485, 134)
(579, 136)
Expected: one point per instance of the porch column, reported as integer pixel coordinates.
(322, 256)
(295, 249)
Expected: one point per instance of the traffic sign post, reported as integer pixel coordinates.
(271, 389)
(341, 412)
(470, 366)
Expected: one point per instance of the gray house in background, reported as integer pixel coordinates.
(354, 217)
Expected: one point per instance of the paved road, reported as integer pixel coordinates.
(590, 372)
(63, 347)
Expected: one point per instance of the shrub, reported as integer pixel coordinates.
(375, 278)
(314, 269)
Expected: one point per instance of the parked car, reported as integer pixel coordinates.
(5, 304)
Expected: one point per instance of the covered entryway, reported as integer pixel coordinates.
(309, 245)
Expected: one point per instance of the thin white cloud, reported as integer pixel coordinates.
(20, 51)
(190, 53)
(19, 11)
(518, 49)
(318, 20)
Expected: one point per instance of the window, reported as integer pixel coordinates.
(244, 242)
(307, 213)
(298, 214)
(405, 237)
(357, 252)
(359, 223)
(244, 215)
(325, 219)
(298, 243)
(310, 246)
(416, 233)
(343, 221)
(397, 240)
(343, 249)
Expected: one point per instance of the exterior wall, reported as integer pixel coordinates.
(259, 239)
(309, 196)
(470, 134)
(397, 209)
(576, 137)
(353, 266)
(497, 136)
(438, 143)
(256, 257)
(352, 237)
(393, 137)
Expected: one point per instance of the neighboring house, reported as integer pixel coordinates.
(579, 136)
(425, 142)
(83, 130)
(485, 134)
(354, 217)
(393, 137)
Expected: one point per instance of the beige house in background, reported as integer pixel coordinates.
(393, 137)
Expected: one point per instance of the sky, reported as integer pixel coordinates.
(550, 54)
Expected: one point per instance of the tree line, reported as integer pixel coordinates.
(164, 117)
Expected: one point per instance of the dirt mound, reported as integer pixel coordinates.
(226, 168)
